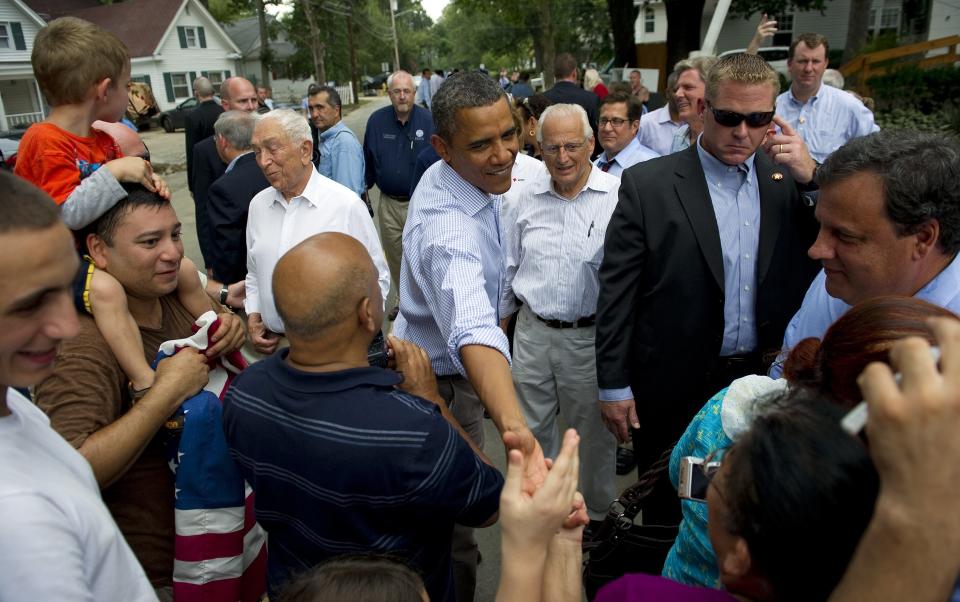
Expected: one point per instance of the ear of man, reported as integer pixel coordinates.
(440, 145)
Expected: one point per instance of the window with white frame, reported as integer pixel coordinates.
(5, 36)
(190, 35)
(649, 20)
(180, 84)
(216, 78)
(884, 20)
(784, 35)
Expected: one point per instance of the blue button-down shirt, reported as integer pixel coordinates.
(657, 129)
(390, 148)
(736, 204)
(424, 96)
(341, 157)
(819, 310)
(452, 270)
(633, 153)
(827, 120)
(735, 197)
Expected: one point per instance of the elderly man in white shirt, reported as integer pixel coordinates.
(299, 203)
(618, 124)
(554, 249)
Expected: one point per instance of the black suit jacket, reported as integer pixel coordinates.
(208, 166)
(660, 310)
(198, 125)
(227, 203)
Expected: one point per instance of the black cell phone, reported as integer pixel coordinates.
(377, 352)
(695, 478)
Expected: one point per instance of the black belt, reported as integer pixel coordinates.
(725, 369)
(401, 199)
(450, 377)
(578, 323)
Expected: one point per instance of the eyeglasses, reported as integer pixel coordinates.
(616, 122)
(732, 119)
(570, 147)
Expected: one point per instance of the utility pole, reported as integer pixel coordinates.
(393, 25)
(264, 45)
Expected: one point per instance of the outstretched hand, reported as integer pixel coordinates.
(533, 463)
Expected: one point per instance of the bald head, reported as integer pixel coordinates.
(128, 140)
(238, 94)
(320, 284)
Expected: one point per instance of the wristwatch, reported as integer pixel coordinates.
(223, 295)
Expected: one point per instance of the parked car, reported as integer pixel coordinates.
(9, 143)
(175, 118)
(775, 55)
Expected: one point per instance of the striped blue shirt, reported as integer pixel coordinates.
(452, 272)
(827, 120)
(736, 204)
(343, 462)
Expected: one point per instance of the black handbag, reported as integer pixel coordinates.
(619, 546)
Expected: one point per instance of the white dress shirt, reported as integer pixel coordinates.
(555, 247)
(274, 226)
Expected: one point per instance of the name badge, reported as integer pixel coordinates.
(389, 136)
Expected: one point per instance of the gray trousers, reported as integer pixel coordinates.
(558, 367)
(391, 217)
(467, 409)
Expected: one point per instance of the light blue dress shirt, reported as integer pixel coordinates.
(633, 153)
(657, 129)
(735, 197)
(681, 139)
(827, 120)
(341, 157)
(424, 95)
(451, 276)
(819, 310)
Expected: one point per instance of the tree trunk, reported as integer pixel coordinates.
(353, 57)
(548, 43)
(623, 17)
(857, 26)
(264, 45)
(317, 47)
(683, 29)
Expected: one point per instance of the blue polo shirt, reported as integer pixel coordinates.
(343, 462)
(390, 148)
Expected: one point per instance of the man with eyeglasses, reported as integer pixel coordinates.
(394, 137)
(553, 249)
(618, 125)
(703, 265)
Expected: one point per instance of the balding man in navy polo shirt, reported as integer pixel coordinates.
(394, 137)
(344, 457)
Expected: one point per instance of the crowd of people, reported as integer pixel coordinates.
(727, 276)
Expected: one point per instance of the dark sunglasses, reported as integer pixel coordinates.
(732, 119)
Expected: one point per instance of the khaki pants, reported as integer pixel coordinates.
(557, 367)
(391, 217)
(467, 409)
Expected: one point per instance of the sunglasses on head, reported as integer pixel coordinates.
(732, 119)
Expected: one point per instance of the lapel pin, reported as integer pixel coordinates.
(776, 176)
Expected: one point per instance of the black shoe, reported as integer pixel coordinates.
(625, 460)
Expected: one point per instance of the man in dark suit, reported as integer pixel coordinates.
(229, 196)
(568, 91)
(198, 123)
(705, 261)
(236, 94)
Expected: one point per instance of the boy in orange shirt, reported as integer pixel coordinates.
(83, 71)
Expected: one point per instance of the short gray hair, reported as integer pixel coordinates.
(293, 124)
(202, 87)
(564, 110)
(464, 90)
(703, 64)
(236, 127)
(395, 74)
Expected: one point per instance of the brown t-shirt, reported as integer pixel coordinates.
(87, 392)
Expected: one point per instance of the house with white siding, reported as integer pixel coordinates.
(910, 21)
(246, 35)
(20, 100)
(171, 42)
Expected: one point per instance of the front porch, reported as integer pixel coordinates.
(21, 103)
